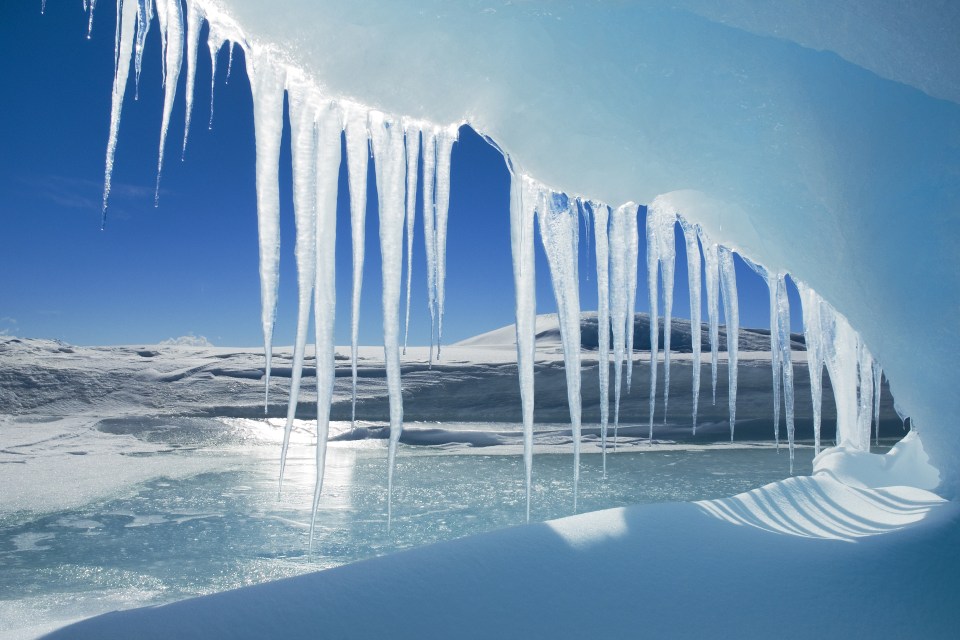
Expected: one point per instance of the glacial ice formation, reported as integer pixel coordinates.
(807, 195)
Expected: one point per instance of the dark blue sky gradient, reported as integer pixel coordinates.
(190, 266)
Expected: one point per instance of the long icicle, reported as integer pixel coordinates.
(144, 18)
(412, 131)
(304, 163)
(522, 212)
(214, 44)
(877, 380)
(559, 222)
(665, 220)
(386, 136)
(632, 253)
(865, 405)
(785, 359)
(358, 154)
(329, 127)
(731, 311)
(194, 22)
(619, 232)
(125, 47)
(813, 340)
(653, 264)
(694, 286)
(775, 346)
(174, 59)
(446, 137)
(429, 227)
(711, 269)
(267, 86)
(601, 214)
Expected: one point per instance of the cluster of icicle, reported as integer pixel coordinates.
(318, 121)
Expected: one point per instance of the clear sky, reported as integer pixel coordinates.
(190, 265)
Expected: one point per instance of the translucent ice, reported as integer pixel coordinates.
(303, 147)
(559, 222)
(267, 86)
(711, 262)
(170, 13)
(620, 316)
(429, 226)
(813, 338)
(446, 136)
(194, 21)
(694, 287)
(124, 47)
(785, 361)
(386, 136)
(731, 312)
(601, 215)
(325, 298)
(523, 201)
(358, 154)
(412, 133)
(661, 251)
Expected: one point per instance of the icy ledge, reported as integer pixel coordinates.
(753, 565)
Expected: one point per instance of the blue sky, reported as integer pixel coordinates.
(190, 265)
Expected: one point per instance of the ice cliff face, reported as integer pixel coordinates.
(829, 153)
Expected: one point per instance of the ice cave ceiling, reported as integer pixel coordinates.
(817, 138)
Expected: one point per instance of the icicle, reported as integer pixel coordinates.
(877, 379)
(601, 214)
(214, 43)
(661, 249)
(325, 299)
(116, 37)
(865, 405)
(633, 250)
(813, 339)
(43, 6)
(772, 281)
(445, 139)
(586, 229)
(229, 63)
(429, 226)
(162, 17)
(266, 86)
(785, 359)
(412, 130)
(358, 154)
(523, 199)
(694, 286)
(731, 310)
(144, 18)
(653, 264)
(841, 358)
(127, 24)
(386, 136)
(174, 58)
(711, 268)
(194, 22)
(304, 161)
(620, 230)
(558, 230)
(90, 6)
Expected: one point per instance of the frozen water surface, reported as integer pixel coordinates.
(167, 539)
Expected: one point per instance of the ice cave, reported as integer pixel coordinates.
(818, 142)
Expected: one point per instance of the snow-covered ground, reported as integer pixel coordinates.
(77, 427)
